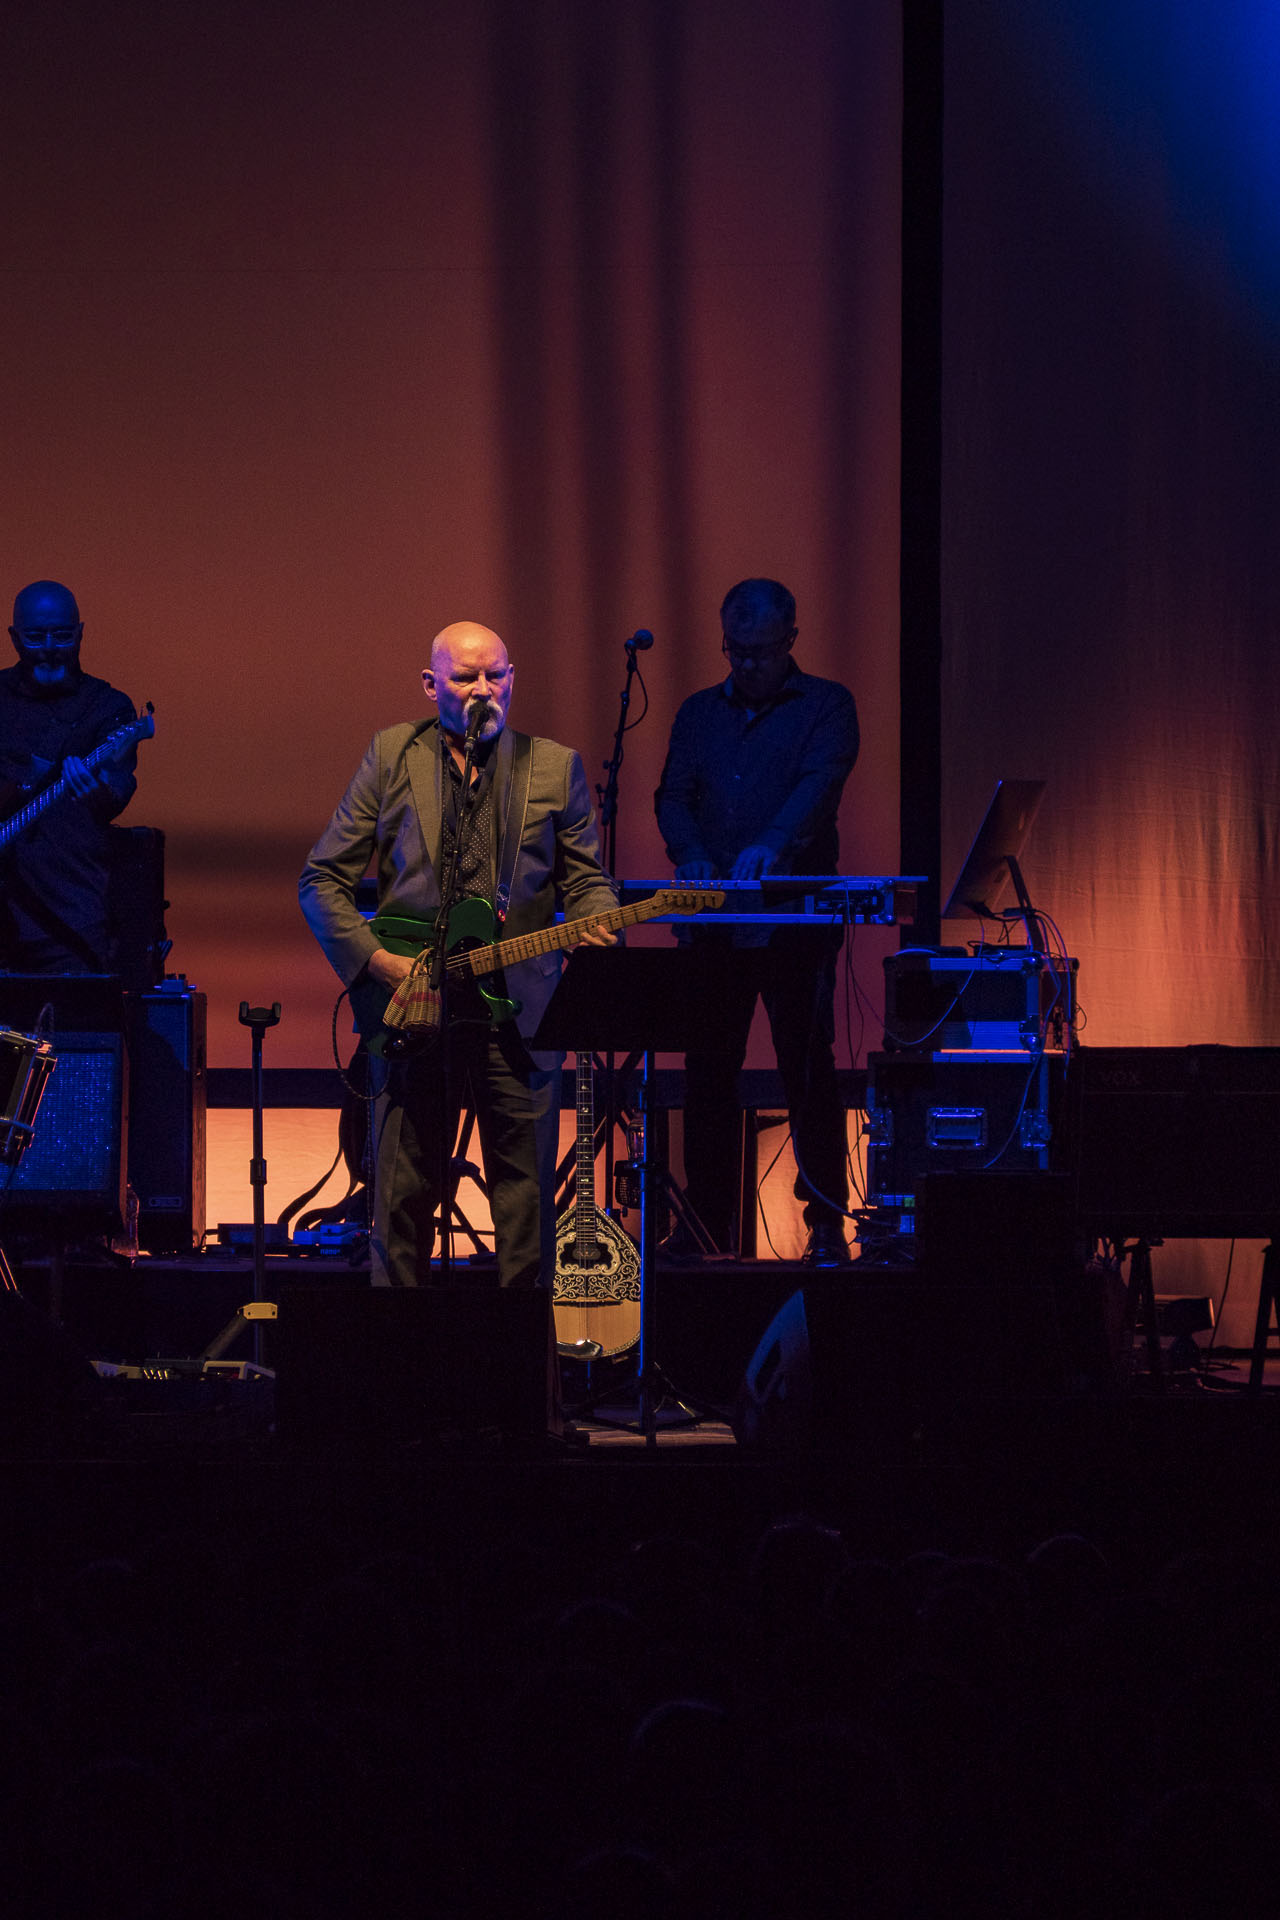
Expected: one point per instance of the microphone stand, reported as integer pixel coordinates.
(438, 979)
(607, 796)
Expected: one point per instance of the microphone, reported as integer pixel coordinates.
(477, 714)
(640, 641)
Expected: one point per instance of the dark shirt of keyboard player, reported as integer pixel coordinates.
(752, 783)
(54, 873)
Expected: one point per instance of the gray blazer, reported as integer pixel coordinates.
(392, 813)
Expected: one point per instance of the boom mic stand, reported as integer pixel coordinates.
(438, 979)
(607, 796)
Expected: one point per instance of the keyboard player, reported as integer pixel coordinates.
(754, 772)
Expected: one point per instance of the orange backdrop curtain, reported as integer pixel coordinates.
(1112, 512)
(326, 326)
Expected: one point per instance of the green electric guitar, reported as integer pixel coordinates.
(473, 956)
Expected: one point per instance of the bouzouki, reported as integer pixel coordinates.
(114, 747)
(597, 1284)
(414, 1008)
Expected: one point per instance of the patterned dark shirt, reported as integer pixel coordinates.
(738, 776)
(477, 861)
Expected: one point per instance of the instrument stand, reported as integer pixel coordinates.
(607, 799)
(258, 1020)
(643, 1000)
(463, 1169)
(670, 1195)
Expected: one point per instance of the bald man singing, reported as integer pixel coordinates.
(529, 844)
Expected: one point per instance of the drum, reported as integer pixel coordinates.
(26, 1062)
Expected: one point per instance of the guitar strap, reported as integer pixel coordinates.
(517, 809)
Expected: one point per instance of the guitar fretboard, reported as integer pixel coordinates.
(526, 946)
(108, 749)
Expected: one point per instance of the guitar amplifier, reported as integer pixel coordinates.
(167, 1080)
(1177, 1141)
(136, 904)
(73, 1172)
(75, 1164)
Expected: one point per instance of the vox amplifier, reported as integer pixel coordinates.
(1177, 1141)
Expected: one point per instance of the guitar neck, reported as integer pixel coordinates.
(585, 1219)
(47, 796)
(527, 946)
(109, 749)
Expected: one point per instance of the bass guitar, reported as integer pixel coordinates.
(114, 747)
(473, 955)
(597, 1284)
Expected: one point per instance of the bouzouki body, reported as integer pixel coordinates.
(597, 1284)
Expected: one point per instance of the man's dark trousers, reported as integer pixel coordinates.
(518, 1114)
(795, 976)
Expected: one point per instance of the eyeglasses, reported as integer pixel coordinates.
(60, 638)
(755, 656)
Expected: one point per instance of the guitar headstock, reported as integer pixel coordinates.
(691, 899)
(117, 744)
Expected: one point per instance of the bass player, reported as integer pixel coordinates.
(529, 845)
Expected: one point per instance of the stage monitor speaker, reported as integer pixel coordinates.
(398, 1367)
(73, 1172)
(871, 1364)
(167, 1095)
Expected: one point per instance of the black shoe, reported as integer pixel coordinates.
(827, 1247)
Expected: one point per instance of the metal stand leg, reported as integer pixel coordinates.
(653, 1386)
(460, 1169)
(1140, 1305)
(258, 1019)
(1267, 1309)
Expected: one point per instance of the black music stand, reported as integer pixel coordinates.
(643, 1000)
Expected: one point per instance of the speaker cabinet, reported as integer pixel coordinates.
(72, 1175)
(75, 1166)
(136, 904)
(392, 1367)
(167, 1082)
